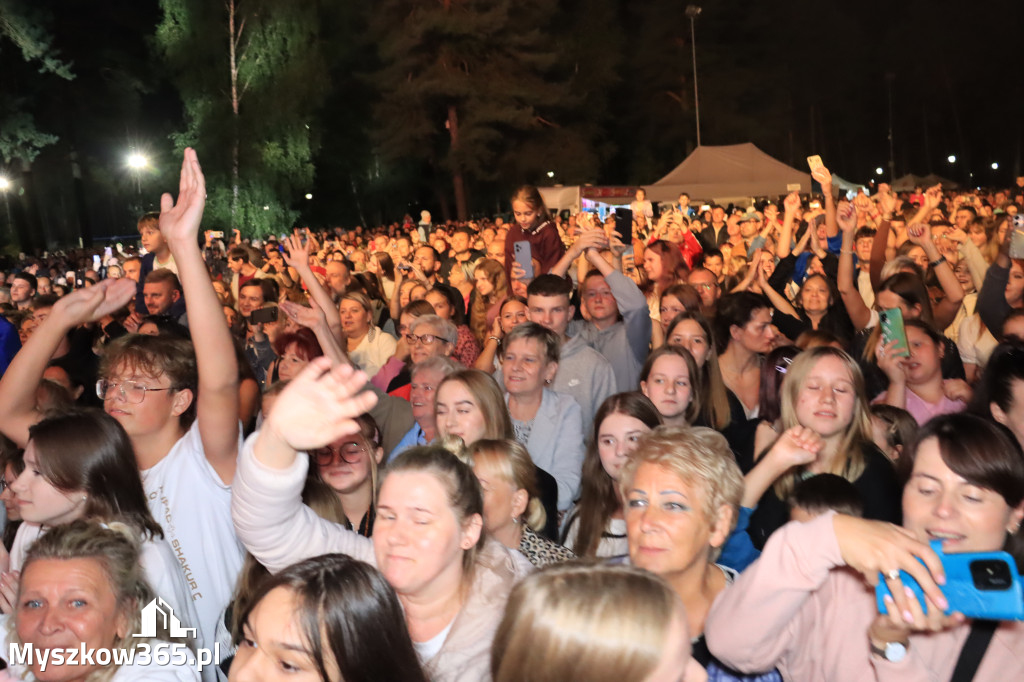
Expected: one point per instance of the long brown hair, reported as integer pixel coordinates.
(598, 499)
(495, 272)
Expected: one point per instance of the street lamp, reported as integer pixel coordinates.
(879, 171)
(137, 162)
(951, 158)
(995, 166)
(693, 12)
(309, 196)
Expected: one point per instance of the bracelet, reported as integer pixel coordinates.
(937, 262)
(494, 338)
(849, 251)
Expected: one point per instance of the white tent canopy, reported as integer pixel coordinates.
(909, 181)
(737, 170)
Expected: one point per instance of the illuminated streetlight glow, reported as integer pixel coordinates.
(137, 160)
(551, 174)
(5, 184)
(309, 196)
(879, 171)
(951, 158)
(995, 166)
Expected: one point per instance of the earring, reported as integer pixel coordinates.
(515, 520)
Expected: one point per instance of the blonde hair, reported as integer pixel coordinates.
(850, 465)
(584, 621)
(700, 457)
(512, 464)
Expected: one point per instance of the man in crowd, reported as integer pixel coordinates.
(23, 288)
(238, 261)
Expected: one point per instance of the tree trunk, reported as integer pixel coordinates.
(457, 181)
(232, 47)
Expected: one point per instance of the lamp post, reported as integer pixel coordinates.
(137, 162)
(693, 11)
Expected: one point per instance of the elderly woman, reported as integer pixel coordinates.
(549, 424)
(82, 587)
(368, 346)
(426, 336)
(682, 491)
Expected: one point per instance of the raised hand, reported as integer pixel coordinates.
(318, 406)
(846, 217)
(891, 361)
(296, 253)
(933, 197)
(179, 221)
(301, 315)
(823, 176)
(919, 233)
(797, 446)
(792, 202)
(93, 303)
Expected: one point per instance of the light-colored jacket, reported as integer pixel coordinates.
(279, 530)
(800, 608)
(556, 443)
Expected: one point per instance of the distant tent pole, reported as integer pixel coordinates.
(692, 11)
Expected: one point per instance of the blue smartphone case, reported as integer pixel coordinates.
(1005, 602)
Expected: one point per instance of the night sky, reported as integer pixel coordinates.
(796, 78)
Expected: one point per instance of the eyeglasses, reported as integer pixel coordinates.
(349, 453)
(705, 287)
(3, 485)
(131, 391)
(425, 339)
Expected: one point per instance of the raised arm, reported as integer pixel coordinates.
(297, 256)
(824, 178)
(18, 385)
(217, 402)
(791, 205)
(945, 312)
(846, 279)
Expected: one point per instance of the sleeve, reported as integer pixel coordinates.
(992, 306)
(550, 248)
(273, 523)
(755, 622)
(782, 274)
(968, 349)
(790, 326)
(976, 262)
(568, 451)
(10, 344)
(386, 373)
(636, 315)
(690, 248)
(738, 552)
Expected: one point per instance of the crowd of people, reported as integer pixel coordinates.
(683, 450)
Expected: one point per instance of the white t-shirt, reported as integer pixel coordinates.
(193, 506)
(371, 354)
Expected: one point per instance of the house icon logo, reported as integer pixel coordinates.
(159, 609)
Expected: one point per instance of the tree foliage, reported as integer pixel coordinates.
(281, 79)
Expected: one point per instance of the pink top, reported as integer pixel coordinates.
(922, 410)
(799, 608)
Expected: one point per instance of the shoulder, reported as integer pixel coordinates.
(541, 551)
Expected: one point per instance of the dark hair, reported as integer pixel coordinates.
(161, 276)
(239, 252)
(598, 499)
(773, 371)
(687, 295)
(696, 406)
(818, 494)
(1012, 315)
(530, 195)
(901, 427)
(349, 605)
(982, 453)
(455, 301)
(1005, 367)
(28, 277)
(88, 450)
(167, 325)
(156, 355)
(550, 285)
(10, 455)
(736, 309)
(44, 301)
(864, 233)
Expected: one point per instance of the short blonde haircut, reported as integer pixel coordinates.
(511, 462)
(698, 456)
(583, 621)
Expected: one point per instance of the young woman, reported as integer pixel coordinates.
(595, 526)
(803, 609)
(1000, 394)
(743, 333)
(682, 491)
(825, 428)
(448, 305)
(675, 300)
(81, 465)
(511, 313)
(581, 623)
(915, 382)
(892, 429)
(513, 511)
(663, 267)
(381, 265)
(720, 407)
(428, 540)
(13, 464)
(670, 379)
(548, 424)
(491, 291)
(82, 588)
(470, 405)
(328, 619)
(368, 346)
(349, 466)
(815, 308)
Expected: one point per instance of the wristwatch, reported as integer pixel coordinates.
(894, 652)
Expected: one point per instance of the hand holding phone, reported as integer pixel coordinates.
(522, 253)
(978, 585)
(891, 323)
